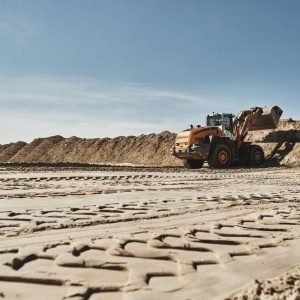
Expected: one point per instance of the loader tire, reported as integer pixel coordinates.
(193, 163)
(256, 155)
(220, 156)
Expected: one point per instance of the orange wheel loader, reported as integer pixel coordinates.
(221, 141)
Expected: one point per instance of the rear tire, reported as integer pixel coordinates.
(193, 163)
(220, 156)
(256, 155)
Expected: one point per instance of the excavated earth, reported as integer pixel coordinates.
(121, 219)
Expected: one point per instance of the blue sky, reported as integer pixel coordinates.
(99, 68)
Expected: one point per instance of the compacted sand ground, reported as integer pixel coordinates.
(138, 233)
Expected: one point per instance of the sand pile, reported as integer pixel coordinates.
(281, 146)
(285, 286)
(152, 149)
(10, 150)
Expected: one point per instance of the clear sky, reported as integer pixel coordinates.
(98, 68)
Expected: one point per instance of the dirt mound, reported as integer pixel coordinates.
(285, 286)
(152, 149)
(288, 130)
(281, 146)
(35, 151)
(10, 150)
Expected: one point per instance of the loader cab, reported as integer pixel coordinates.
(224, 121)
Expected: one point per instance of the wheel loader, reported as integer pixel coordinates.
(221, 142)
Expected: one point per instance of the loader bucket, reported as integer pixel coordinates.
(268, 119)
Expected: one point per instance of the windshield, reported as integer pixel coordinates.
(214, 120)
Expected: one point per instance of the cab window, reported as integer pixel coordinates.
(227, 123)
(214, 120)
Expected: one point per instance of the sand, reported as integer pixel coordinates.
(122, 219)
(142, 233)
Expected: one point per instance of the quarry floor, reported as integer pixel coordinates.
(149, 233)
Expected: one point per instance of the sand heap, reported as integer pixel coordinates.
(152, 149)
(281, 146)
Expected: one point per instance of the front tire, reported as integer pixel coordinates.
(256, 156)
(193, 163)
(220, 156)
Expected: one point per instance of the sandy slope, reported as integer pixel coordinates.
(148, 234)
